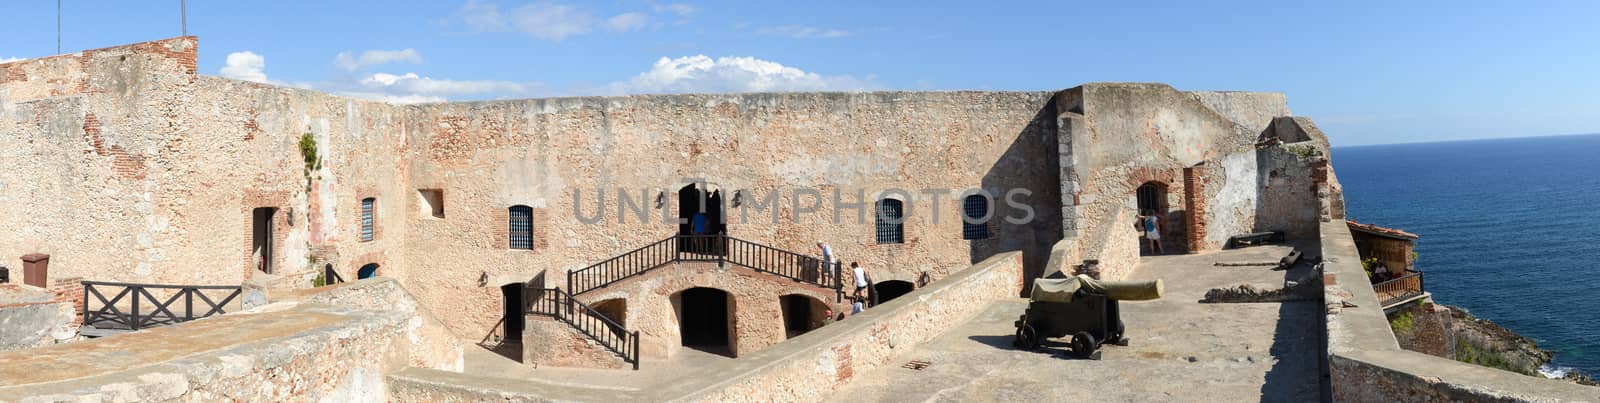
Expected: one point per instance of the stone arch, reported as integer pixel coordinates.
(885, 291)
(368, 270)
(615, 309)
(801, 313)
(705, 317)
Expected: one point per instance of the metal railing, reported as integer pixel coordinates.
(1399, 288)
(146, 309)
(557, 303)
(721, 249)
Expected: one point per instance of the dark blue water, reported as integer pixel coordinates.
(1510, 229)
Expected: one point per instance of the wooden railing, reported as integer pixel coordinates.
(1399, 288)
(557, 303)
(145, 309)
(720, 249)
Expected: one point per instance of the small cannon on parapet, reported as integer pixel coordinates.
(1082, 307)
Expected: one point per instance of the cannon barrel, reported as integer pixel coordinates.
(1125, 290)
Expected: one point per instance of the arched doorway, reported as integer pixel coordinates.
(700, 214)
(889, 290)
(367, 271)
(514, 319)
(801, 314)
(615, 309)
(704, 319)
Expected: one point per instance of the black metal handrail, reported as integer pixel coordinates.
(557, 303)
(111, 316)
(720, 249)
(1400, 288)
(622, 266)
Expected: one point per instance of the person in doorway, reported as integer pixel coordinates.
(1152, 230)
(697, 227)
(861, 278)
(857, 306)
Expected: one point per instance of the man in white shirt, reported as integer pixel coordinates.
(827, 259)
(861, 278)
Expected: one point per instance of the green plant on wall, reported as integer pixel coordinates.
(308, 151)
(1303, 151)
(1402, 323)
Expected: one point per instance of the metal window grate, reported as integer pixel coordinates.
(1149, 198)
(521, 227)
(366, 218)
(975, 207)
(891, 225)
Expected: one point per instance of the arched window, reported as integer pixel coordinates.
(891, 221)
(975, 220)
(367, 207)
(521, 227)
(1152, 197)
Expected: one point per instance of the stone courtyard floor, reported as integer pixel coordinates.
(1180, 350)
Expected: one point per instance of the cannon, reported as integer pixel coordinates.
(1082, 307)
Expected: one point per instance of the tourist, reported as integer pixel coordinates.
(827, 259)
(861, 278)
(827, 318)
(697, 227)
(1152, 230)
(856, 307)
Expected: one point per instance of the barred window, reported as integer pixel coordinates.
(521, 227)
(975, 208)
(366, 218)
(891, 221)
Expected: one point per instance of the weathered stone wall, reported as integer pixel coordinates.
(817, 363)
(134, 168)
(489, 156)
(1366, 364)
(33, 317)
(653, 307)
(334, 343)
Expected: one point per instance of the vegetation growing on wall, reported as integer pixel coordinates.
(1305, 152)
(308, 151)
(1472, 354)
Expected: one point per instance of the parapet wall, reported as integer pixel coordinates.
(325, 344)
(1366, 364)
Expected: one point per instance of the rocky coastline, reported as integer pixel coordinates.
(1454, 333)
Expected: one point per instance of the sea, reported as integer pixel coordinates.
(1510, 230)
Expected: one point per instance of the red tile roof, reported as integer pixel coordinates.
(1381, 231)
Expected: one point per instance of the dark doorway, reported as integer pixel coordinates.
(700, 215)
(261, 238)
(801, 314)
(1152, 199)
(367, 271)
(514, 319)
(615, 309)
(703, 315)
(891, 289)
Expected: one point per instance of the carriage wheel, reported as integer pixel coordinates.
(1083, 344)
(1027, 338)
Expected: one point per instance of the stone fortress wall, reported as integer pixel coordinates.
(124, 164)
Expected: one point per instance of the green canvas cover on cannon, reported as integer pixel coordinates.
(1062, 290)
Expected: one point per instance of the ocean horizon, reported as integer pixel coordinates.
(1508, 229)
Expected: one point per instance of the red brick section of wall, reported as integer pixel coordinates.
(125, 165)
(183, 50)
(1195, 179)
(70, 290)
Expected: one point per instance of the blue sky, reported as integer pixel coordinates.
(1367, 72)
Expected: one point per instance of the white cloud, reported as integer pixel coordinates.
(375, 57)
(682, 10)
(627, 22)
(732, 74)
(9, 59)
(544, 20)
(802, 32)
(412, 88)
(246, 66)
(482, 17)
